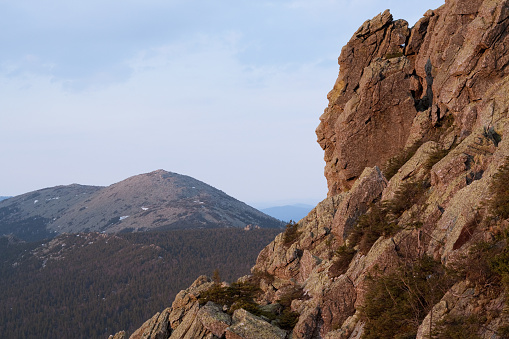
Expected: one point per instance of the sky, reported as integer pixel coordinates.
(228, 92)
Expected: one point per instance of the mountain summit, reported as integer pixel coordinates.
(158, 200)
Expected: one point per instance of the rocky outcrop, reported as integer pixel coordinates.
(463, 301)
(188, 319)
(333, 216)
(371, 107)
(431, 99)
(155, 328)
(119, 335)
(445, 65)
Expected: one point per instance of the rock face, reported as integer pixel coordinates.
(157, 200)
(433, 100)
(389, 74)
(371, 102)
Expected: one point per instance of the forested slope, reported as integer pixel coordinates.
(90, 285)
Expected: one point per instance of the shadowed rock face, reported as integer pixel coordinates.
(442, 87)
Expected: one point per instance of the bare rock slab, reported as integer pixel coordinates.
(248, 326)
(214, 319)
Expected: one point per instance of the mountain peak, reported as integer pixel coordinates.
(158, 200)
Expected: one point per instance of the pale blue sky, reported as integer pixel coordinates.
(228, 92)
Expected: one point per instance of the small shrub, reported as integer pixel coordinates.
(395, 163)
(370, 227)
(252, 308)
(290, 295)
(270, 315)
(492, 135)
(409, 194)
(242, 295)
(436, 156)
(500, 262)
(288, 319)
(487, 265)
(216, 276)
(393, 55)
(499, 203)
(503, 331)
(479, 269)
(477, 266)
(343, 256)
(237, 295)
(248, 305)
(500, 266)
(397, 303)
(258, 276)
(291, 234)
(381, 219)
(444, 123)
(459, 327)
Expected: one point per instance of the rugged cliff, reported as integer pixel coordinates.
(412, 238)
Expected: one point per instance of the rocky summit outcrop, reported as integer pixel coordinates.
(393, 80)
(158, 200)
(412, 239)
(371, 107)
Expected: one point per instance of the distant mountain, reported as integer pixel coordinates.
(3, 198)
(288, 212)
(29, 216)
(158, 200)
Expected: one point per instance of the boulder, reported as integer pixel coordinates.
(119, 335)
(309, 324)
(248, 326)
(308, 262)
(283, 262)
(155, 328)
(186, 299)
(190, 327)
(214, 319)
(415, 169)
